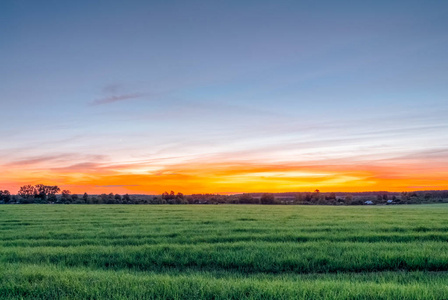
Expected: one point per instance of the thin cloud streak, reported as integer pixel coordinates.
(117, 185)
(112, 99)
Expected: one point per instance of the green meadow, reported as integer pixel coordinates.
(223, 252)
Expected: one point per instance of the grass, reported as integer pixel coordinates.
(223, 252)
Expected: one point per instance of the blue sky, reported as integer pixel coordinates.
(163, 84)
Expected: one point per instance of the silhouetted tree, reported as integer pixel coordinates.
(118, 198)
(27, 193)
(65, 196)
(75, 198)
(331, 197)
(169, 198)
(315, 197)
(267, 199)
(348, 198)
(52, 198)
(42, 192)
(127, 199)
(110, 198)
(5, 196)
(95, 200)
(102, 199)
(247, 199)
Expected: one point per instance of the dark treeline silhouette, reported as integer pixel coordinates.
(50, 194)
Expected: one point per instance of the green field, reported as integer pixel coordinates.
(223, 252)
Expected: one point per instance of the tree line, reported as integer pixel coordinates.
(46, 194)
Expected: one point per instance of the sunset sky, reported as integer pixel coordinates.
(224, 96)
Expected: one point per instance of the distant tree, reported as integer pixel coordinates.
(52, 198)
(85, 198)
(103, 198)
(307, 197)
(27, 192)
(95, 200)
(267, 199)
(75, 198)
(340, 200)
(65, 196)
(5, 196)
(118, 198)
(126, 199)
(43, 192)
(170, 198)
(299, 198)
(348, 198)
(180, 199)
(357, 202)
(156, 200)
(315, 197)
(110, 198)
(40, 193)
(331, 198)
(408, 197)
(247, 199)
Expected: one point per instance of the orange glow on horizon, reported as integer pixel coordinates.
(232, 177)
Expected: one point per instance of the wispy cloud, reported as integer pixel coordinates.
(37, 160)
(117, 98)
(116, 92)
(117, 185)
(47, 161)
(80, 167)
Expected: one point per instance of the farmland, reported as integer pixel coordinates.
(223, 252)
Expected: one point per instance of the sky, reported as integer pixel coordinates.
(224, 96)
